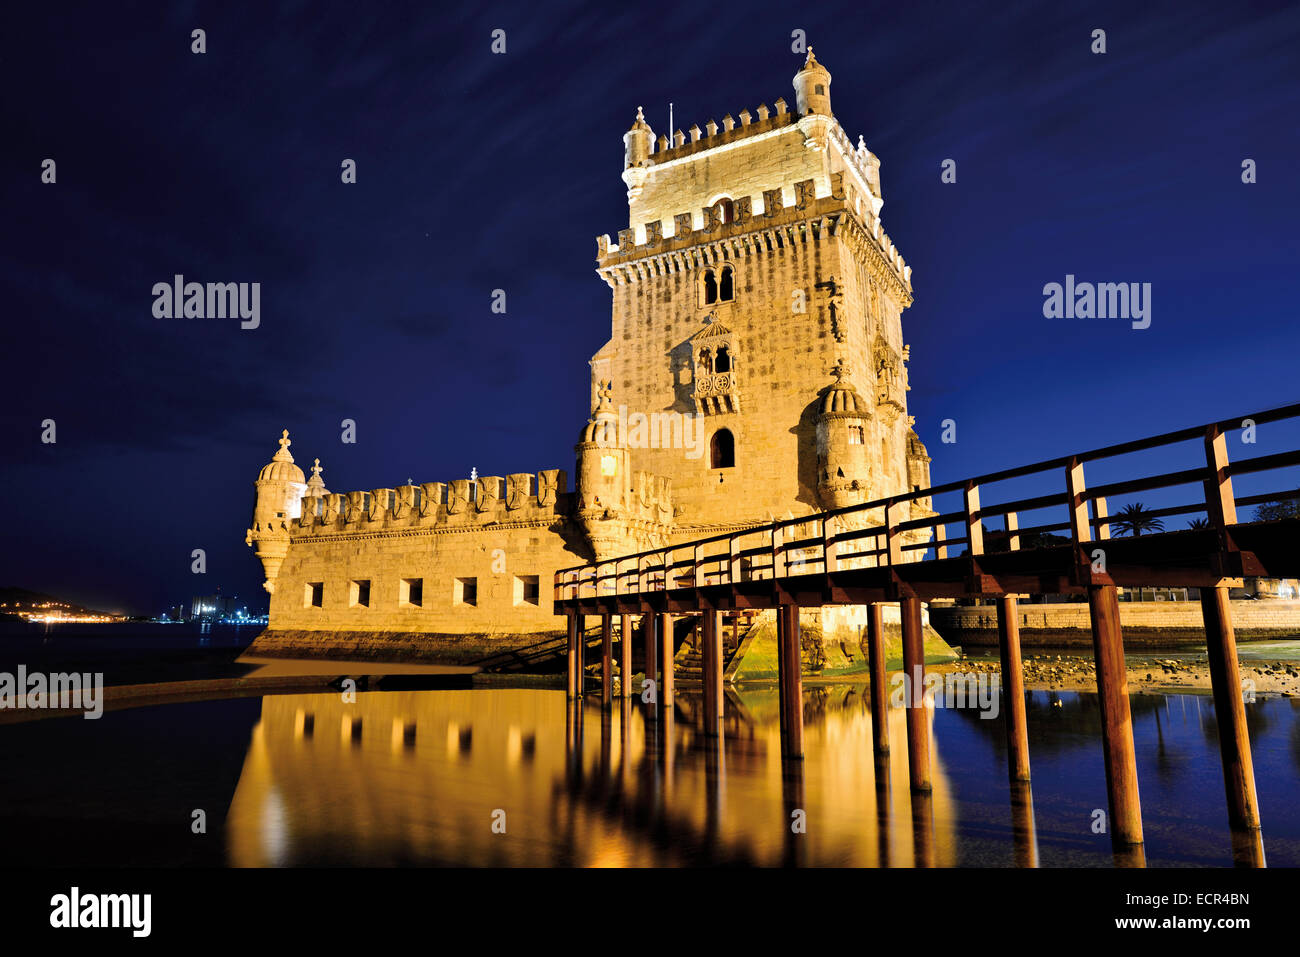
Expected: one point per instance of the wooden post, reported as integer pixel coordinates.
(792, 682)
(1220, 503)
(876, 667)
(651, 659)
(918, 728)
(781, 669)
(575, 630)
(665, 639)
(1229, 709)
(1012, 521)
(1116, 720)
(712, 673)
(922, 829)
(1079, 525)
(625, 657)
(974, 527)
(1013, 689)
(1100, 513)
(1024, 834)
(606, 660)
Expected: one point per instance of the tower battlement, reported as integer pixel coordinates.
(758, 222)
(696, 141)
(460, 504)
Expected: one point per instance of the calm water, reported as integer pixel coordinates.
(415, 777)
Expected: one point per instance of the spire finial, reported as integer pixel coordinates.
(315, 469)
(283, 455)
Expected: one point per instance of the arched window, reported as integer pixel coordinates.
(722, 450)
(710, 288)
(706, 363)
(725, 210)
(727, 289)
(724, 360)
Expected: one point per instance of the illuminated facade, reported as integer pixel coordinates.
(756, 370)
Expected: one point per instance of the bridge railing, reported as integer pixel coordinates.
(949, 520)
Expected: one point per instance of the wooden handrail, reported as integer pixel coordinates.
(719, 558)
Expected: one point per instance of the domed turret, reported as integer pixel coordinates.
(602, 461)
(842, 473)
(812, 88)
(316, 485)
(638, 143)
(280, 488)
(602, 478)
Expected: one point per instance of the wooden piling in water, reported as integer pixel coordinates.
(791, 680)
(1023, 832)
(1013, 689)
(918, 727)
(876, 666)
(1116, 719)
(1229, 709)
(625, 656)
(575, 655)
(666, 650)
(711, 671)
(651, 660)
(606, 660)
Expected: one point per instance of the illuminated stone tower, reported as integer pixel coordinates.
(755, 289)
(280, 489)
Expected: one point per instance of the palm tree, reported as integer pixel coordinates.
(1199, 523)
(1135, 519)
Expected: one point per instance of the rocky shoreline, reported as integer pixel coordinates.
(1146, 675)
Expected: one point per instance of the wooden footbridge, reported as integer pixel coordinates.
(899, 549)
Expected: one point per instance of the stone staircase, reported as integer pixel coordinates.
(689, 663)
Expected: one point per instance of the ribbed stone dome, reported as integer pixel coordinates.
(842, 397)
(603, 425)
(281, 467)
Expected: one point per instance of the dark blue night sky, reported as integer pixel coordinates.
(479, 171)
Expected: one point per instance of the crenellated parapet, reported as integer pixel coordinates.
(762, 224)
(458, 505)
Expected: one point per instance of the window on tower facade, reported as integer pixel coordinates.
(722, 450)
(726, 286)
(723, 361)
(725, 210)
(710, 287)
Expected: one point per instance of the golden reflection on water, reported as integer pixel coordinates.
(422, 777)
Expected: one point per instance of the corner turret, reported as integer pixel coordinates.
(280, 488)
(602, 463)
(638, 144)
(812, 88)
(842, 473)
